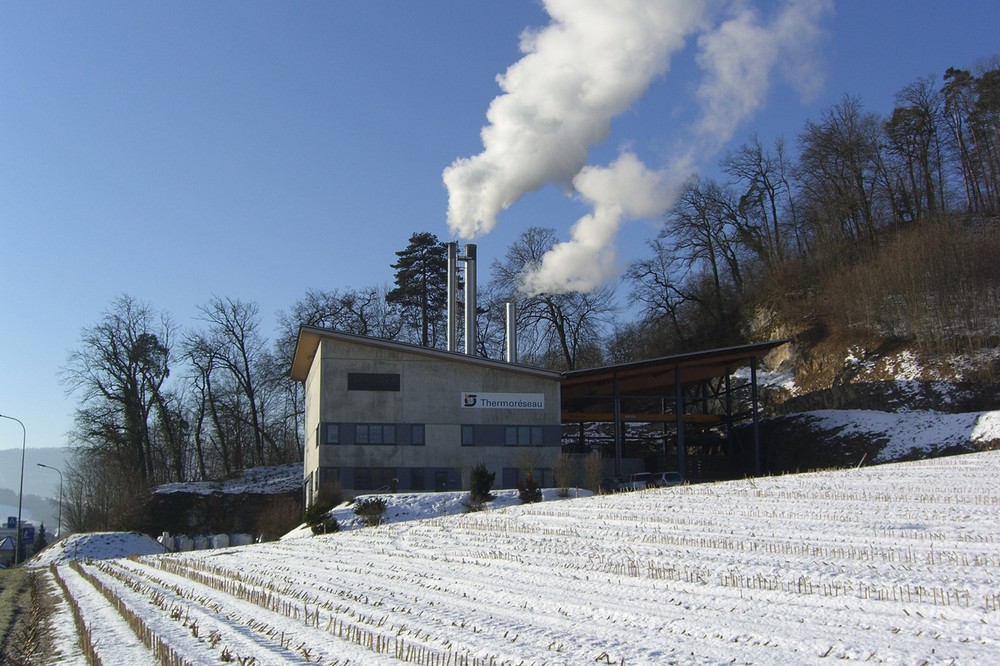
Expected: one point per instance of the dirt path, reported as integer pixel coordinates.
(24, 605)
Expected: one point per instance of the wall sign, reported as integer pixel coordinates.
(478, 400)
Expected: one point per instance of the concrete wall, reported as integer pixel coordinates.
(430, 395)
(311, 461)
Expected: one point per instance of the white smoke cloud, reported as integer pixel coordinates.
(624, 190)
(739, 57)
(588, 66)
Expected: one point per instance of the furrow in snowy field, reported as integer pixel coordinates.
(205, 627)
(867, 565)
(113, 639)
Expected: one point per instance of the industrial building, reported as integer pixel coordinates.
(384, 414)
(380, 414)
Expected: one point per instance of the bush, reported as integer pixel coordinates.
(562, 470)
(317, 519)
(528, 490)
(593, 471)
(279, 517)
(480, 484)
(370, 510)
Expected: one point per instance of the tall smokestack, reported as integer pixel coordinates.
(452, 296)
(470, 299)
(511, 333)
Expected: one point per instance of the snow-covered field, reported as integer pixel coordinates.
(890, 564)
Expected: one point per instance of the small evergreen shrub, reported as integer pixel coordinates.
(370, 510)
(528, 490)
(317, 519)
(481, 482)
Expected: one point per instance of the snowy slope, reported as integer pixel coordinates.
(909, 433)
(96, 546)
(894, 563)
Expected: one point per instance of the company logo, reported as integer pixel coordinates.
(481, 400)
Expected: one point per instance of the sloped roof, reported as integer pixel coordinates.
(659, 376)
(310, 337)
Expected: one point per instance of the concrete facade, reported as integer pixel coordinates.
(381, 413)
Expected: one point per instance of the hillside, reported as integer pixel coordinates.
(894, 563)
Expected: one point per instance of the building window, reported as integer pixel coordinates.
(417, 478)
(468, 435)
(417, 434)
(372, 381)
(375, 433)
(374, 478)
(333, 433)
(523, 436)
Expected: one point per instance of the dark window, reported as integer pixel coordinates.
(373, 478)
(417, 434)
(523, 436)
(417, 478)
(372, 381)
(468, 435)
(333, 433)
(374, 433)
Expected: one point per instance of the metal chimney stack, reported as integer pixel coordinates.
(511, 333)
(452, 296)
(470, 299)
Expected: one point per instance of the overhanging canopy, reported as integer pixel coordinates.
(655, 377)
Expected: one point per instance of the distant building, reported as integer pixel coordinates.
(7, 548)
(8, 531)
(384, 414)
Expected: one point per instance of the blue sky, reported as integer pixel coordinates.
(176, 151)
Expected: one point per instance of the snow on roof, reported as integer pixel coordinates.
(255, 481)
(96, 546)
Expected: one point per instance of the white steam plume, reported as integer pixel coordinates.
(739, 56)
(588, 66)
(624, 190)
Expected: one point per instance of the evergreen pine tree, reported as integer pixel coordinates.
(41, 539)
(422, 284)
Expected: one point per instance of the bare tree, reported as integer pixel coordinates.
(240, 358)
(762, 177)
(914, 138)
(840, 171)
(119, 372)
(562, 330)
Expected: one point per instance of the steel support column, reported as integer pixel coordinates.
(679, 411)
(758, 463)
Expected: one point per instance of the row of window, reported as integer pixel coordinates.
(392, 478)
(418, 478)
(512, 436)
(390, 434)
(412, 434)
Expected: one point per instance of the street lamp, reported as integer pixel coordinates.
(20, 491)
(60, 494)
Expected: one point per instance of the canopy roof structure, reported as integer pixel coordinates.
(654, 377)
(693, 389)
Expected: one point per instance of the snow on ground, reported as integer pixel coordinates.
(401, 507)
(96, 546)
(907, 433)
(895, 563)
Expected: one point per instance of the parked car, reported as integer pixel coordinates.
(667, 479)
(640, 480)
